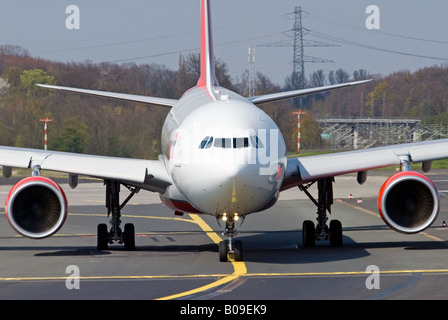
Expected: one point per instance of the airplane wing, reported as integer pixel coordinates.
(120, 96)
(305, 169)
(171, 102)
(150, 174)
(302, 92)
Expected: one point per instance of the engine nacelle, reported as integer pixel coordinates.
(408, 202)
(36, 207)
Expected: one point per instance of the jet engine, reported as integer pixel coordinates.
(408, 202)
(36, 207)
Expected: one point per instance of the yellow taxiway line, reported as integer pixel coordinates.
(253, 275)
(239, 267)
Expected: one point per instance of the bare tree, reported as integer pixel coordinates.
(341, 76)
(317, 78)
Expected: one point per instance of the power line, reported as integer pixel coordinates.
(370, 47)
(193, 49)
(118, 43)
(355, 27)
(375, 48)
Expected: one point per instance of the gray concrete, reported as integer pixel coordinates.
(174, 254)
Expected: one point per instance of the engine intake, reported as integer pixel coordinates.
(408, 202)
(36, 207)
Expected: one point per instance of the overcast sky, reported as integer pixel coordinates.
(413, 33)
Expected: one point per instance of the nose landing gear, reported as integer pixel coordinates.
(230, 248)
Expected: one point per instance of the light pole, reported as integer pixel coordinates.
(45, 129)
(300, 112)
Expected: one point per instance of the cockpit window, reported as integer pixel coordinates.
(228, 143)
(240, 142)
(206, 143)
(256, 143)
(223, 143)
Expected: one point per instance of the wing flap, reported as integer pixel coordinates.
(305, 169)
(150, 174)
(437, 149)
(94, 166)
(18, 157)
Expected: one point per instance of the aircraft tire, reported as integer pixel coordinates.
(129, 237)
(223, 250)
(102, 237)
(238, 251)
(335, 233)
(308, 234)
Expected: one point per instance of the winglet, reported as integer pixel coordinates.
(207, 78)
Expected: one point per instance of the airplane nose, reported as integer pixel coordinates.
(233, 188)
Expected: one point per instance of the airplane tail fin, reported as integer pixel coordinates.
(207, 78)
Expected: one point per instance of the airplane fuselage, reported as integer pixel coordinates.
(224, 154)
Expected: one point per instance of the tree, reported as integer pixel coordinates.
(360, 74)
(190, 69)
(73, 138)
(331, 77)
(380, 93)
(310, 132)
(317, 78)
(12, 75)
(295, 81)
(341, 76)
(13, 50)
(4, 87)
(29, 79)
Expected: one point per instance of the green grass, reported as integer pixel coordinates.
(23, 173)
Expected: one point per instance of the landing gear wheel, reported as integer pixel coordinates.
(238, 251)
(308, 234)
(102, 237)
(223, 250)
(129, 237)
(335, 233)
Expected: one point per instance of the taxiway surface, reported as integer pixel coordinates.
(176, 257)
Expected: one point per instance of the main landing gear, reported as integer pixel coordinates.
(310, 232)
(230, 247)
(126, 237)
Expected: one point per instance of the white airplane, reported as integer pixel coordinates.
(222, 156)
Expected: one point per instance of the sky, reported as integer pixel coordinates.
(412, 34)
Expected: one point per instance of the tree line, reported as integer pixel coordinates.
(419, 95)
(116, 128)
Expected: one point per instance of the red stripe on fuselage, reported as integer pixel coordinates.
(179, 205)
